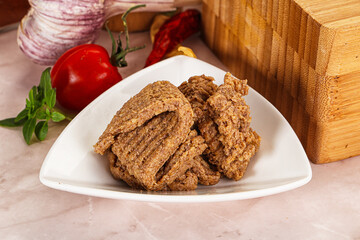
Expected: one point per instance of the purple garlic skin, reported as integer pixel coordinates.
(51, 27)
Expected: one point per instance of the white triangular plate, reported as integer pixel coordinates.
(71, 165)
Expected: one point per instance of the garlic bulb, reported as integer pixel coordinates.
(53, 26)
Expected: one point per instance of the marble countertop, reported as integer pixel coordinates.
(328, 207)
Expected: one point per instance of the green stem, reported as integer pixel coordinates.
(123, 18)
(118, 52)
(126, 51)
(113, 48)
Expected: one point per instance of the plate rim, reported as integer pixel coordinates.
(150, 197)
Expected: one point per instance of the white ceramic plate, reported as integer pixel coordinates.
(71, 165)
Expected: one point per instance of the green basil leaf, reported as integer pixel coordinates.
(47, 97)
(23, 114)
(28, 129)
(52, 98)
(41, 114)
(39, 101)
(57, 117)
(28, 104)
(49, 92)
(40, 96)
(45, 80)
(32, 95)
(10, 122)
(41, 130)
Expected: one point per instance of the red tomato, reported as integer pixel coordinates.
(81, 74)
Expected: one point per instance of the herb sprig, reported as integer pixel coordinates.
(39, 110)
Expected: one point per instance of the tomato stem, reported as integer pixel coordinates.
(118, 54)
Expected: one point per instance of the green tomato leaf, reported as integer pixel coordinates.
(22, 115)
(57, 117)
(11, 122)
(41, 130)
(28, 129)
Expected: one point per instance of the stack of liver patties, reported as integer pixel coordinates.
(169, 138)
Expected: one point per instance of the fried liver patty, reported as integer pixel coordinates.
(223, 120)
(154, 99)
(168, 138)
(149, 141)
(174, 174)
(197, 90)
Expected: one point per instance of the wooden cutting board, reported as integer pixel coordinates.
(303, 56)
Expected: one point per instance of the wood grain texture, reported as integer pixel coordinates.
(304, 57)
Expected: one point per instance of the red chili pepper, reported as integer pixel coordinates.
(173, 32)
